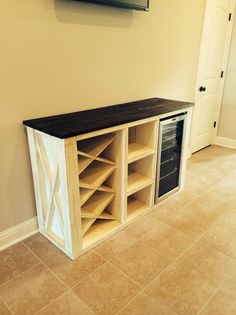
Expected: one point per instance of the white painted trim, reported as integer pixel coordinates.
(18, 233)
(226, 142)
(224, 67)
(199, 78)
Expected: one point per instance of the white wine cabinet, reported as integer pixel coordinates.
(91, 185)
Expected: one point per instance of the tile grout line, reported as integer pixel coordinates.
(194, 199)
(92, 250)
(212, 186)
(110, 263)
(127, 276)
(4, 303)
(54, 274)
(161, 222)
(201, 234)
(146, 234)
(209, 300)
(176, 259)
(141, 288)
(133, 243)
(107, 261)
(133, 298)
(222, 253)
(184, 234)
(231, 208)
(62, 282)
(138, 240)
(75, 285)
(188, 235)
(58, 299)
(51, 271)
(20, 274)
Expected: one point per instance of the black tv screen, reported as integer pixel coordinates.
(128, 4)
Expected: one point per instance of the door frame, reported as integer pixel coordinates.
(224, 68)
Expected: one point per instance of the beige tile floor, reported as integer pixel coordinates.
(180, 259)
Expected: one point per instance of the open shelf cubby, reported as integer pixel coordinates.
(141, 141)
(98, 160)
(140, 175)
(138, 203)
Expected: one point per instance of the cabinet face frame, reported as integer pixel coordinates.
(65, 158)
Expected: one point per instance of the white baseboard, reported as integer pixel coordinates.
(226, 142)
(18, 233)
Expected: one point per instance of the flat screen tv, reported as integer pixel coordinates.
(128, 4)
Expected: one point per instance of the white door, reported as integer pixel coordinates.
(215, 43)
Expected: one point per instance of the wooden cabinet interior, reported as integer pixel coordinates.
(109, 196)
(140, 174)
(138, 203)
(142, 150)
(99, 185)
(141, 141)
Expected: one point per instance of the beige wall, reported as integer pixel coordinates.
(227, 126)
(62, 56)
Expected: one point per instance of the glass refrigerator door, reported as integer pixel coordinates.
(171, 132)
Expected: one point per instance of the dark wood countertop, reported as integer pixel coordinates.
(73, 124)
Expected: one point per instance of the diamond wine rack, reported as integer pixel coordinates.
(96, 167)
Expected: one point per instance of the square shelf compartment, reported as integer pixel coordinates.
(138, 203)
(140, 175)
(141, 141)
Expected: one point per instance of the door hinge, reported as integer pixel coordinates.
(222, 74)
(230, 16)
(214, 124)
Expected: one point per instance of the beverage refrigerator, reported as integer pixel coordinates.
(171, 140)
